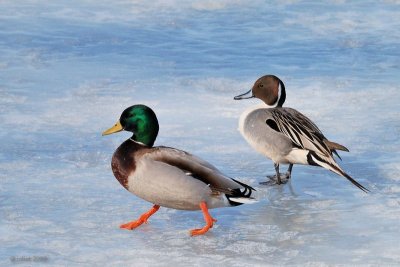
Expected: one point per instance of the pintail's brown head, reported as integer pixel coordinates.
(269, 89)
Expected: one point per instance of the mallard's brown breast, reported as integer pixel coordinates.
(123, 161)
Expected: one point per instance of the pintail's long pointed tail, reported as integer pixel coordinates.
(316, 159)
(363, 188)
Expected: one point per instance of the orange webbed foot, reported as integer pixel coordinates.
(207, 217)
(143, 219)
(131, 225)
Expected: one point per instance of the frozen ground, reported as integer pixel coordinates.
(68, 68)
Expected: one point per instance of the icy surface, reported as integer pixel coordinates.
(68, 69)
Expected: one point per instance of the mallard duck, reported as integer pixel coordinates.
(169, 177)
(285, 135)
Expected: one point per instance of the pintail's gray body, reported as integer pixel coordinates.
(267, 141)
(285, 135)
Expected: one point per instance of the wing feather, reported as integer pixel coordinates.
(301, 130)
(198, 169)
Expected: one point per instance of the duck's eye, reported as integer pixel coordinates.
(261, 85)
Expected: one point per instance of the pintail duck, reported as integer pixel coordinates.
(169, 177)
(285, 135)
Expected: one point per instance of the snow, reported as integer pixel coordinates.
(69, 68)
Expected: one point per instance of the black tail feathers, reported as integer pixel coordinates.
(238, 197)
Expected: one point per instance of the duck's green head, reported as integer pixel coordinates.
(141, 121)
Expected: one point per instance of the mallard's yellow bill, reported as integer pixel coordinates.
(115, 129)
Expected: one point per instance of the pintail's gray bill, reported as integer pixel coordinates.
(246, 95)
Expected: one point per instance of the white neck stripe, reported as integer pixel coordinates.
(279, 96)
(137, 142)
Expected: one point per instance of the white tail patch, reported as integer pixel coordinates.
(297, 156)
(243, 200)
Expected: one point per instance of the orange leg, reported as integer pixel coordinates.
(207, 217)
(143, 219)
